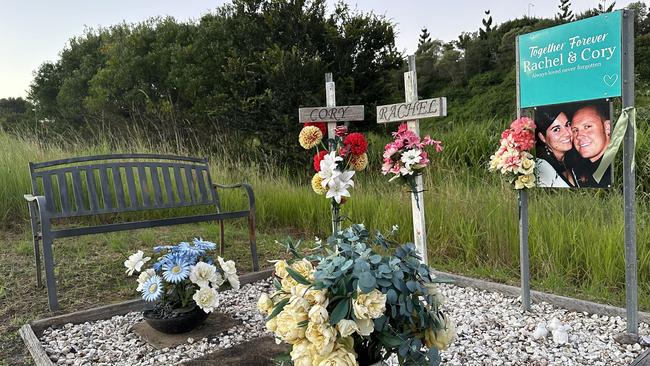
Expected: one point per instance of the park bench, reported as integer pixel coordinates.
(122, 183)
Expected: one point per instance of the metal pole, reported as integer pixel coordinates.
(629, 200)
(524, 258)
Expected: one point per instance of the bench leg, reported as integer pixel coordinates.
(36, 237)
(50, 280)
(251, 237)
(222, 238)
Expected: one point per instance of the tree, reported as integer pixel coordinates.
(487, 23)
(603, 8)
(565, 14)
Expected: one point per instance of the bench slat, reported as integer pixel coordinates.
(190, 183)
(47, 189)
(119, 187)
(130, 184)
(144, 187)
(78, 190)
(107, 197)
(201, 179)
(179, 183)
(168, 185)
(63, 189)
(153, 170)
(92, 190)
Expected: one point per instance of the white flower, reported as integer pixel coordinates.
(346, 327)
(144, 276)
(228, 267)
(318, 314)
(411, 157)
(234, 281)
(206, 298)
(135, 262)
(338, 187)
(202, 274)
(328, 170)
(365, 326)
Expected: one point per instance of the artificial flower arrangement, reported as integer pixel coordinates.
(183, 277)
(513, 158)
(336, 163)
(353, 306)
(405, 157)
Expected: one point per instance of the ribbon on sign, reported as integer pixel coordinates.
(627, 118)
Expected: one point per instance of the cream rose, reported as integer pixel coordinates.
(272, 325)
(206, 298)
(369, 306)
(527, 166)
(202, 274)
(341, 356)
(305, 268)
(322, 336)
(346, 327)
(317, 297)
(281, 269)
(301, 353)
(265, 304)
(442, 338)
(318, 314)
(365, 326)
(525, 181)
(287, 323)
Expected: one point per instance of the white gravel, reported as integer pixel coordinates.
(492, 330)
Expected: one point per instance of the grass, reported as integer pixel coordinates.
(576, 237)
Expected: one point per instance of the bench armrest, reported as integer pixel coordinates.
(245, 186)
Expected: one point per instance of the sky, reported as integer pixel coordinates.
(35, 31)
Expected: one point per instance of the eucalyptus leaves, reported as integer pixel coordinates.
(350, 305)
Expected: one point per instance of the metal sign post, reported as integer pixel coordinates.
(411, 111)
(524, 257)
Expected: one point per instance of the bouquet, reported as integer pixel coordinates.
(406, 157)
(335, 164)
(353, 306)
(513, 158)
(184, 276)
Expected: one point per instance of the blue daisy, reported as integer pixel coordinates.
(193, 251)
(203, 244)
(152, 288)
(160, 248)
(176, 268)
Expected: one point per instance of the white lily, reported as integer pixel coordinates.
(135, 262)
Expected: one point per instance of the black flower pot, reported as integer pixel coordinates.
(181, 323)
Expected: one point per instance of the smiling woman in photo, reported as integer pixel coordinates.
(554, 141)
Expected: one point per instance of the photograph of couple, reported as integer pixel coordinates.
(570, 142)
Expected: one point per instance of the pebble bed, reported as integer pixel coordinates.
(492, 330)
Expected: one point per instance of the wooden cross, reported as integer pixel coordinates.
(331, 114)
(410, 111)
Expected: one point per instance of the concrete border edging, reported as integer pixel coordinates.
(567, 303)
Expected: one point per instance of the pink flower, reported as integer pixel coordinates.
(390, 150)
(341, 131)
(424, 161)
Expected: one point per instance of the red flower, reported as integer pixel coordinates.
(317, 159)
(321, 125)
(356, 143)
(341, 131)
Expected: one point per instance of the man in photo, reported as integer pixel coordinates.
(591, 130)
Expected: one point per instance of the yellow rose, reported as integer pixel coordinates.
(432, 290)
(340, 356)
(525, 181)
(287, 323)
(441, 338)
(369, 306)
(318, 314)
(322, 337)
(310, 136)
(265, 304)
(317, 184)
(527, 166)
(281, 269)
(346, 327)
(288, 283)
(301, 353)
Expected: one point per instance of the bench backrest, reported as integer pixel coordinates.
(119, 183)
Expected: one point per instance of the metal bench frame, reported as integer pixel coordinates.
(111, 184)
